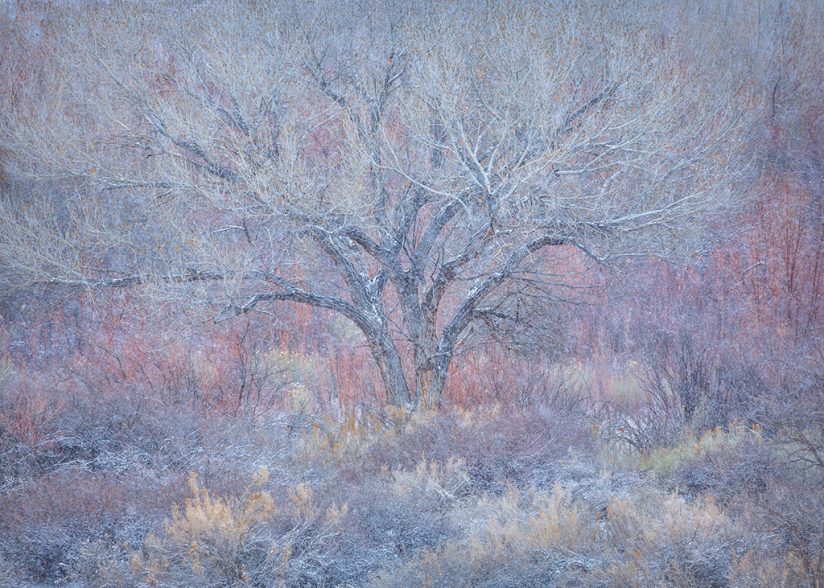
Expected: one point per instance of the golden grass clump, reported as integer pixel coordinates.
(230, 540)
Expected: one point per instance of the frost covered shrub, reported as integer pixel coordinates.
(666, 540)
(47, 525)
(539, 538)
(498, 447)
(409, 510)
(517, 539)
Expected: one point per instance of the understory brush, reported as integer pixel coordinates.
(123, 492)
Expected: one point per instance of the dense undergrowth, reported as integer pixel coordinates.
(568, 492)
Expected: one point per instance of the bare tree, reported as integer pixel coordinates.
(406, 167)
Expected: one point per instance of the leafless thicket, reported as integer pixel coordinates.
(404, 166)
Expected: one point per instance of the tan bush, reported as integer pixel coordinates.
(226, 541)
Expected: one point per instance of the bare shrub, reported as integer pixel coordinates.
(550, 538)
(512, 540)
(687, 388)
(48, 522)
(500, 446)
(675, 542)
(793, 502)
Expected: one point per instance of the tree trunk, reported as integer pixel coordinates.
(391, 369)
(424, 377)
(430, 384)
